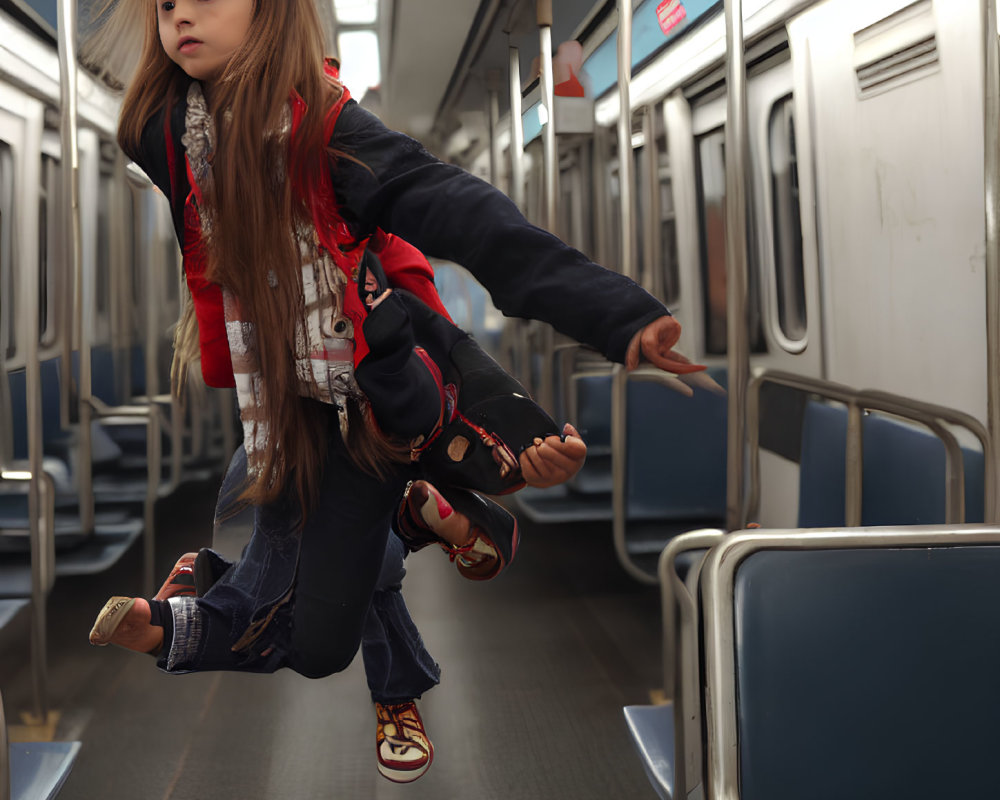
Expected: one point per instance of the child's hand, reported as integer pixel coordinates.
(554, 460)
(655, 343)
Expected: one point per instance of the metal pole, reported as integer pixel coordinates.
(991, 172)
(551, 155)
(736, 262)
(625, 170)
(543, 8)
(71, 221)
(493, 115)
(516, 130)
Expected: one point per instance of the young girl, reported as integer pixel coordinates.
(277, 181)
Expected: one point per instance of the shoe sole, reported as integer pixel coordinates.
(406, 775)
(108, 620)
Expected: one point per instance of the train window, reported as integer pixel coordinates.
(787, 230)
(9, 286)
(712, 205)
(711, 174)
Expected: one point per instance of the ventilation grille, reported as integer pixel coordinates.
(903, 66)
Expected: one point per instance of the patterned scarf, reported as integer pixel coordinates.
(324, 336)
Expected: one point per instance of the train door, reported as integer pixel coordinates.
(783, 283)
(896, 94)
(784, 318)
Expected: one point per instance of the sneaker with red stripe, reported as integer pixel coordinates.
(402, 748)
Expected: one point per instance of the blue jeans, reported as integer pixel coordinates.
(307, 598)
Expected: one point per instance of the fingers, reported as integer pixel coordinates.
(655, 343)
(554, 460)
(678, 386)
(658, 336)
(702, 380)
(674, 362)
(373, 301)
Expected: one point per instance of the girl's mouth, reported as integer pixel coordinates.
(188, 45)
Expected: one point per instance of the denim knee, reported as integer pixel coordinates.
(322, 659)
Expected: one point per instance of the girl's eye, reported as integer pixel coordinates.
(168, 6)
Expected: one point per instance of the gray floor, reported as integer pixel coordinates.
(536, 667)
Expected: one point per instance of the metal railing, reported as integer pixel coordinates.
(719, 573)
(991, 173)
(933, 417)
(738, 340)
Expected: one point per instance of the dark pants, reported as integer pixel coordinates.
(307, 599)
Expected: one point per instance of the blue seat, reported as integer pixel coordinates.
(652, 730)
(676, 456)
(38, 770)
(866, 673)
(79, 552)
(675, 462)
(904, 472)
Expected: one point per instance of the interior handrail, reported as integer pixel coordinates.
(152, 417)
(681, 659)
(930, 415)
(951, 416)
(41, 512)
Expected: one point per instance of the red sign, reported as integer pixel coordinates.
(670, 13)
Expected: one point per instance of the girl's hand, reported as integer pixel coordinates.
(655, 343)
(553, 460)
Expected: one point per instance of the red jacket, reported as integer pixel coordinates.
(404, 265)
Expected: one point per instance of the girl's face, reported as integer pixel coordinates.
(200, 36)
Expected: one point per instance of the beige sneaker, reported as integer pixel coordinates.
(401, 745)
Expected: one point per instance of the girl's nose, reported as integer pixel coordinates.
(183, 12)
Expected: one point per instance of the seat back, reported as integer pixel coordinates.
(676, 453)
(863, 666)
(903, 472)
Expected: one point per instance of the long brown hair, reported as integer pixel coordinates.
(255, 212)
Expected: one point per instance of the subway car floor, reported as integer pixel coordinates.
(536, 667)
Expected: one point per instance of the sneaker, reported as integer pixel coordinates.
(180, 581)
(479, 535)
(401, 745)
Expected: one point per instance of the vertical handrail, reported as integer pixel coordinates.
(854, 465)
(43, 559)
(736, 262)
(543, 10)
(681, 655)
(547, 82)
(619, 474)
(516, 129)
(493, 116)
(991, 172)
(71, 220)
(626, 173)
(651, 254)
